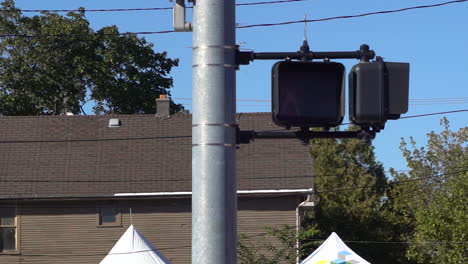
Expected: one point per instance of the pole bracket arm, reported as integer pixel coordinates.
(364, 54)
(179, 16)
(304, 135)
(244, 57)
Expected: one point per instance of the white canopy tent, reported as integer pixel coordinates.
(334, 251)
(134, 248)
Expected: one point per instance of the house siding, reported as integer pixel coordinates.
(66, 232)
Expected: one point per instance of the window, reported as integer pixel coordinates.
(108, 214)
(8, 230)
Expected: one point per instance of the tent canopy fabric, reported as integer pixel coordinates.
(334, 251)
(134, 248)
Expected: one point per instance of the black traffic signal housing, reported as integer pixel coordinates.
(378, 91)
(308, 94)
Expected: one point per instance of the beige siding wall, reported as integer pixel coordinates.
(66, 232)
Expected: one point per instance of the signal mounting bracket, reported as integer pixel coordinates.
(304, 134)
(364, 54)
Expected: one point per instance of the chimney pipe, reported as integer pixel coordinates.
(162, 106)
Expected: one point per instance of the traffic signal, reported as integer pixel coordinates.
(378, 91)
(308, 94)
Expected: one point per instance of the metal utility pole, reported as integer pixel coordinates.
(214, 196)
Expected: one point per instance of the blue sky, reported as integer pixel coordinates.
(433, 40)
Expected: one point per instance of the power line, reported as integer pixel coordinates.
(249, 26)
(431, 114)
(422, 115)
(440, 99)
(142, 181)
(353, 16)
(393, 242)
(408, 242)
(390, 183)
(171, 180)
(164, 180)
(174, 137)
(412, 102)
(269, 106)
(270, 2)
(89, 10)
(256, 178)
(137, 9)
(91, 139)
(315, 192)
(74, 254)
(416, 100)
(90, 34)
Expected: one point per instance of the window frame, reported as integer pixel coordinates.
(107, 204)
(16, 225)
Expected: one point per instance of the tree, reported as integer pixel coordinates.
(350, 187)
(416, 217)
(431, 200)
(276, 245)
(51, 64)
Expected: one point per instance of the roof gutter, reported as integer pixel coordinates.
(283, 191)
(152, 194)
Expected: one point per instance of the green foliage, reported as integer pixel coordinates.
(418, 217)
(67, 64)
(350, 186)
(276, 245)
(432, 202)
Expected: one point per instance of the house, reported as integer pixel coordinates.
(71, 185)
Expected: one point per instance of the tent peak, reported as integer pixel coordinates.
(133, 247)
(334, 250)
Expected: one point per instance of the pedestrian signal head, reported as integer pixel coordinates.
(378, 91)
(308, 94)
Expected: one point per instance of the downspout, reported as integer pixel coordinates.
(298, 229)
(306, 205)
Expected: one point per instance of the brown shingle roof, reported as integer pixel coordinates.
(64, 156)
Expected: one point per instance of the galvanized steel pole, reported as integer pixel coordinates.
(214, 198)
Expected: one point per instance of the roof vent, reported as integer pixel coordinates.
(114, 122)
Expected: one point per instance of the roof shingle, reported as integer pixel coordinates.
(65, 156)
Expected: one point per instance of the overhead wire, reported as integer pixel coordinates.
(27, 205)
(175, 137)
(91, 139)
(270, 2)
(159, 180)
(140, 181)
(82, 35)
(268, 106)
(355, 187)
(139, 9)
(89, 10)
(412, 102)
(403, 117)
(74, 254)
(244, 238)
(354, 16)
(294, 227)
(252, 25)
(424, 115)
(171, 180)
(432, 114)
(416, 100)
